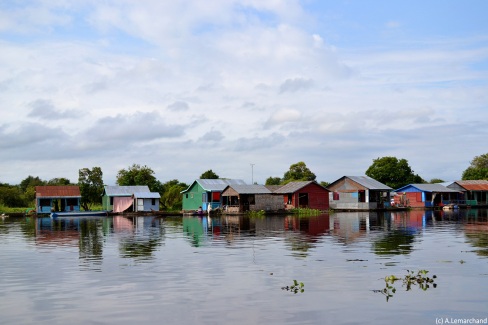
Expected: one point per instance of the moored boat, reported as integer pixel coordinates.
(79, 214)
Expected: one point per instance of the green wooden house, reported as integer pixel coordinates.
(206, 193)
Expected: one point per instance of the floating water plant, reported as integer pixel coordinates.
(296, 287)
(306, 212)
(419, 279)
(256, 214)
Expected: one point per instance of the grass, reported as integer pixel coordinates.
(6, 210)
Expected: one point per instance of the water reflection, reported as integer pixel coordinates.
(390, 233)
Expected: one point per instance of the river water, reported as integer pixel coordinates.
(242, 270)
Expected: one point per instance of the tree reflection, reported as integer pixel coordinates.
(396, 242)
(142, 239)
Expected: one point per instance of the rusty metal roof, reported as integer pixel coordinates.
(474, 185)
(57, 191)
(292, 187)
(249, 189)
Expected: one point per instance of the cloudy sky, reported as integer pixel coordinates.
(187, 86)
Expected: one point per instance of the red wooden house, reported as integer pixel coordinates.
(304, 194)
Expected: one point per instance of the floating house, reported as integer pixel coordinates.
(358, 193)
(425, 195)
(304, 194)
(242, 198)
(57, 198)
(206, 193)
(474, 192)
(133, 198)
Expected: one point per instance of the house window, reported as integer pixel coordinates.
(186, 195)
(153, 201)
(111, 200)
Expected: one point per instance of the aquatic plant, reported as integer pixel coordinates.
(419, 279)
(295, 287)
(306, 212)
(256, 214)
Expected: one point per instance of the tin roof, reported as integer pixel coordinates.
(428, 188)
(58, 191)
(125, 190)
(292, 187)
(249, 189)
(147, 195)
(368, 182)
(215, 184)
(474, 185)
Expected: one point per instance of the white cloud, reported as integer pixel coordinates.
(119, 82)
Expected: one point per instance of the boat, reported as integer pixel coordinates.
(71, 214)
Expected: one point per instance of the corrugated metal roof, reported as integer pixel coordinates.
(369, 182)
(218, 184)
(125, 190)
(58, 191)
(250, 189)
(428, 188)
(292, 187)
(474, 185)
(147, 195)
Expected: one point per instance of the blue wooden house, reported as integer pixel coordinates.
(57, 198)
(206, 193)
(133, 198)
(425, 195)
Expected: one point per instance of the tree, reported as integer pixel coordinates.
(209, 174)
(298, 172)
(478, 170)
(436, 180)
(324, 184)
(138, 175)
(31, 181)
(393, 172)
(171, 198)
(91, 186)
(59, 181)
(273, 181)
(11, 196)
(28, 188)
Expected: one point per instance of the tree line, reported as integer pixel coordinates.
(389, 170)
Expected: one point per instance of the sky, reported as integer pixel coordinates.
(244, 88)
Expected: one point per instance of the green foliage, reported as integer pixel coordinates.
(436, 180)
(295, 288)
(209, 174)
(32, 182)
(256, 214)
(306, 212)
(59, 181)
(412, 279)
(171, 198)
(11, 196)
(298, 172)
(91, 186)
(273, 181)
(324, 184)
(393, 172)
(138, 175)
(478, 170)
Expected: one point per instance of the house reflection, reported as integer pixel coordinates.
(84, 233)
(139, 237)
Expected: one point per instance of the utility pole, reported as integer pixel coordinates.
(252, 173)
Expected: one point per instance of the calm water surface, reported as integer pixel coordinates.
(235, 270)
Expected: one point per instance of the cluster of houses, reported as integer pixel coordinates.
(235, 196)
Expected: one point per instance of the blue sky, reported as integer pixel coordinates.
(187, 86)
